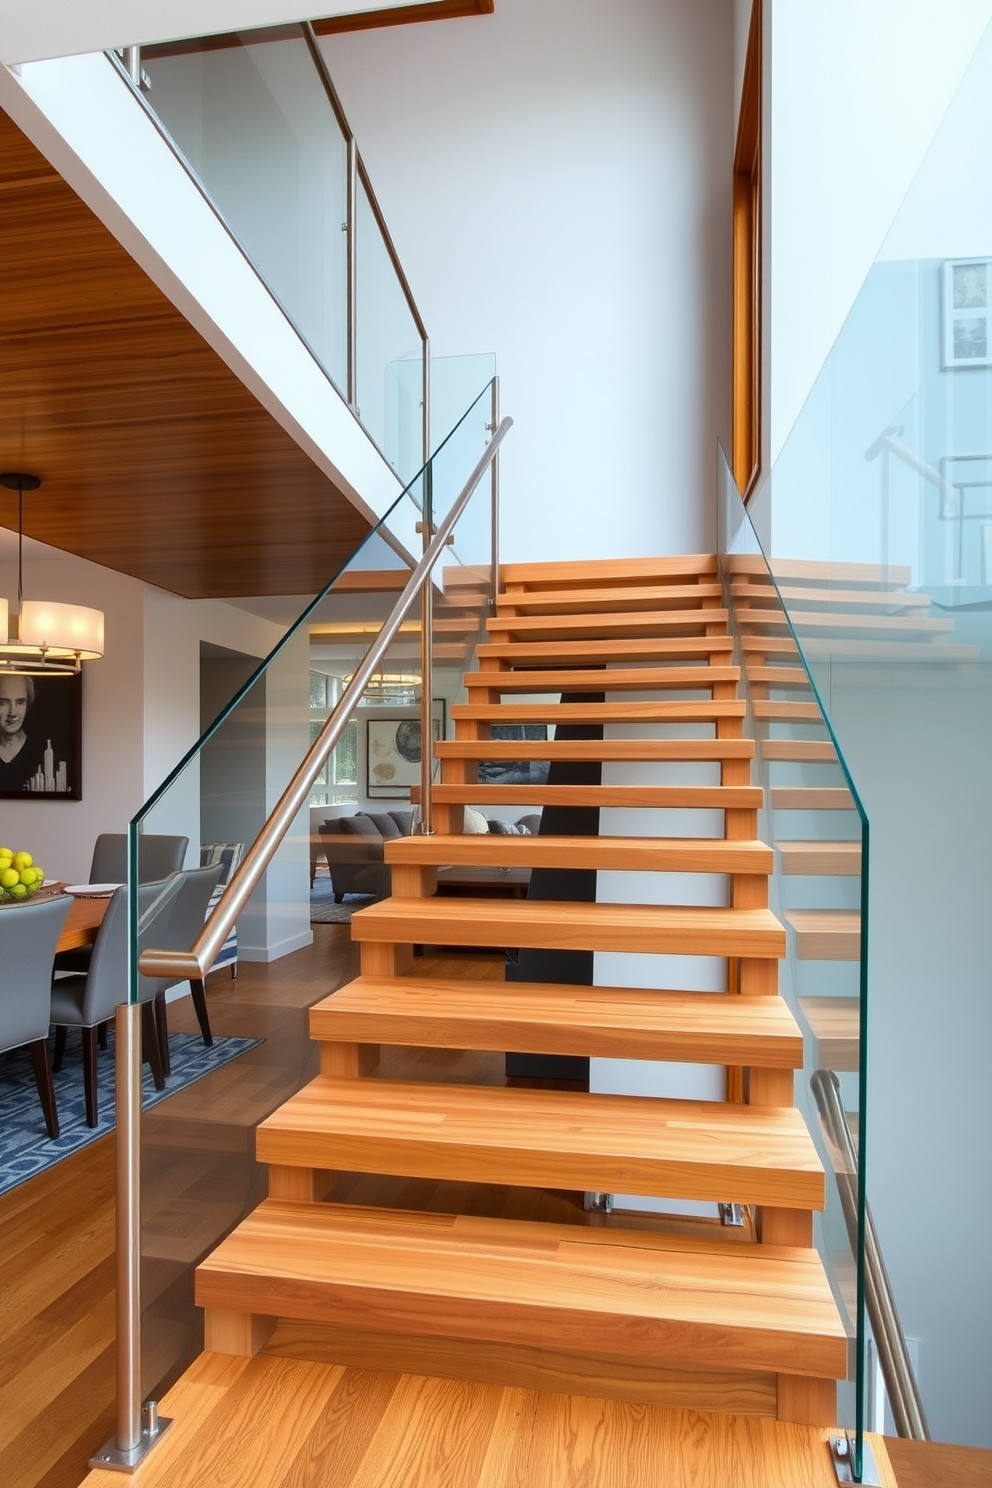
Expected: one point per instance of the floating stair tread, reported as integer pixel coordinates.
(595, 749)
(812, 751)
(810, 620)
(522, 654)
(827, 595)
(934, 653)
(660, 622)
(835, 1023)
(608, 571)
(826, 934)
(601, 679)
(677, 929)
(785, 712)
(812, 798)
(778, 676)
(665, 711)
(755, 1306)
(549, 1139)
(823, 569)
(635, 854)
(671, 797)
(602, 599)
(539, 1018)
(826, 858)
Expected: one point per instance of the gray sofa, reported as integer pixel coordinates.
(354, 847)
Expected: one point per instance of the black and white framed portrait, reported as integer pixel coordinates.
(967, 294)
(40, 737)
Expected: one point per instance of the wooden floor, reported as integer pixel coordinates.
(379, 1428)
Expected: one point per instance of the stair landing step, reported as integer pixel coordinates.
(647, 928)
(704, 1150)
(648, 1297)
(635, 854)
(538, 1018)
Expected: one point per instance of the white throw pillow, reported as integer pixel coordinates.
(475, 823)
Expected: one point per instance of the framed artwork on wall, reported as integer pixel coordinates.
(41, 738)
(967, 295)
(512, 771)
(393, 756)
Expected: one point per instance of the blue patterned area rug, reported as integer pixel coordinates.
(25, 1146)
(324, 911)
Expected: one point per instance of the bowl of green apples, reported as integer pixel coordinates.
(20, 877)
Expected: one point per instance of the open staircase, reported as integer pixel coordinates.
(687, 1314)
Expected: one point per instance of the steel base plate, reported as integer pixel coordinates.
(111, 1459)
(842, 1454)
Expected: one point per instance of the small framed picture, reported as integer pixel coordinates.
(393, 742)
(40, 733)
(967, 294)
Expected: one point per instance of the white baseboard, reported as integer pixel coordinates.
(276, 951)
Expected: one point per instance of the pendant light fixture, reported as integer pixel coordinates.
(43, 638)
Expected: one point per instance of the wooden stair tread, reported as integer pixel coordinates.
(828, 595)
(608, 571)
(684, 930)
(826, 570)
(588, 652)
(787, 712)
(455, 1276)
(677, 797)
(638, 623)
(595, 749)
(637, 854)
(602, 598)
(602, 679)
(542, 1018)
(835, 1023)
(625, 712)
(843, 858)
(705, 1150)
(934, 653)
(826, 934)
(812, 798)
(813, 751)
(816, 620)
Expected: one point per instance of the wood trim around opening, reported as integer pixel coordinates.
(746, 432)
(403, 15)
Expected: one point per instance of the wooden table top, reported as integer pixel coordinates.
(82, 923)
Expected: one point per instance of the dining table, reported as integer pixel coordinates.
(82, 923)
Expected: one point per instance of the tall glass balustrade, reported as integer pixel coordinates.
(875, 525)
(198, 1173)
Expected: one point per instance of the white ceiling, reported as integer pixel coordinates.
(31, 30)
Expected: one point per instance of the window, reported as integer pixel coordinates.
(338, 780)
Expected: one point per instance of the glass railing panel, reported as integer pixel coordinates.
(813, 820)
(877, 522)
(389, 346)
(250, 115)
(199, 1174)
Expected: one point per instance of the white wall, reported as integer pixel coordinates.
(857, 89)
(557, 181)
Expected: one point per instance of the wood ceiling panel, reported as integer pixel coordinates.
(156, 460)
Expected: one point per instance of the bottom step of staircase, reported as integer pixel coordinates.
(627, 1294)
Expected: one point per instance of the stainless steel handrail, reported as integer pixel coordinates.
(197, 961)
(893, 1356)
(890, 442)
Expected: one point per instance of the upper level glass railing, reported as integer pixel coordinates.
(256, 120)
(248, 1051)
(876, 524)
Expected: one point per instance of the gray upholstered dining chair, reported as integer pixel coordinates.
(28, 936)
(185, 923)
(84, 1000)
(158, 856)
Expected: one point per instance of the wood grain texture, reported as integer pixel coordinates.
(658, 623)
(608, 571)
(826, 934)
(427, 10)
(603, 600)
(813, 621)
(556, 1139)
(938, 1465)
(156, 459)
(823, 571)
(686, 931)
(379, 1429)
(835, 1023)
(760, 1307)
(869, 599)
(810, 751)
(625, 679)
(830, 858)
(730, 798)
(635, 854)
(812, 798)
(717, 750)
(591, 652)
(664, 711)
(612, 1022)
